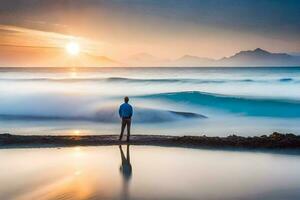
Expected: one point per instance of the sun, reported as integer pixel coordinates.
(73, 48)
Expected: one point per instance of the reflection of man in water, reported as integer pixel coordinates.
(125, 112)
(126, 171)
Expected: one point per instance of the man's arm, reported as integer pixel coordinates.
(131, 111)
(120, 111)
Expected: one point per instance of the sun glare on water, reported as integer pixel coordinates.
(73, 48)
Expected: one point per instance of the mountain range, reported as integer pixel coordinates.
(256, 57)
(39, 57)
(260, 57)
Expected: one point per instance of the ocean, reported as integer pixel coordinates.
(168, 101)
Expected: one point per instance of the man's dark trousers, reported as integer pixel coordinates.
(126, 122)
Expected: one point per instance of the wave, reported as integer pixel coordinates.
(247, 106)
(135, 80)
(108, 114)
(286, 80)
(111, 79)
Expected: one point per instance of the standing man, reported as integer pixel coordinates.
(125, 112)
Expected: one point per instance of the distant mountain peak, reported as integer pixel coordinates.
(142, 55)
(259, 50)
(187, 56)
(100, 60)
(253, 53)
(259, 57)
(144, 59)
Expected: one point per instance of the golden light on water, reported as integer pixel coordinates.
(77, 152)
(73, 48)
(77, 149)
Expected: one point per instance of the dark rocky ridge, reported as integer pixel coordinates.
(273, 141)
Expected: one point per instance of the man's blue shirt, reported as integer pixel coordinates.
(125, 110)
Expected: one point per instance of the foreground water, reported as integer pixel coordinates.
(244, 101)
(150, 173)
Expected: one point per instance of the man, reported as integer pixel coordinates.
(125, 112)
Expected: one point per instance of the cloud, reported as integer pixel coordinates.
(31, 47)
(15, 36)
(34, 35)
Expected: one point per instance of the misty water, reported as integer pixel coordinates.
(174, 101)
(149, 173)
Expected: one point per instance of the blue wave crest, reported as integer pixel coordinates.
(240, 105)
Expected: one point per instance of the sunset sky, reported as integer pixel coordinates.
(167, 29)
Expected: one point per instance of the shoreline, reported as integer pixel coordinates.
(274, 141)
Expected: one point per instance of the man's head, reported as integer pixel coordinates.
(126, 99)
